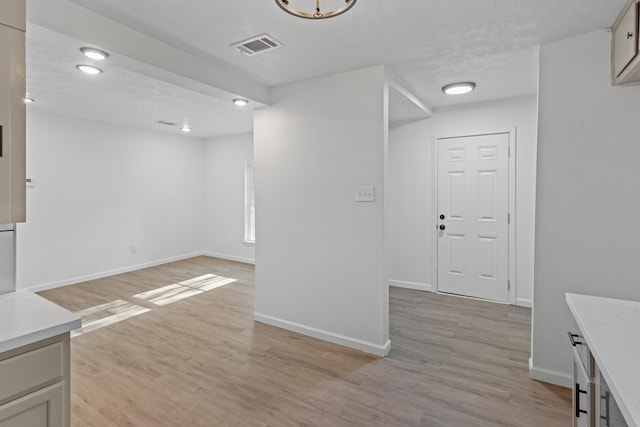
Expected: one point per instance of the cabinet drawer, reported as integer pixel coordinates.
(28, 371)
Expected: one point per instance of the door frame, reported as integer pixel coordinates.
(511, 178)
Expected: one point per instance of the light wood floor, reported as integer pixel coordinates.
(202, 361)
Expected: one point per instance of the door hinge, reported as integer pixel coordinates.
(508, 285)
(509, 149)
(508, 218)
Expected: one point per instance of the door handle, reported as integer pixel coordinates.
(442, 227)
(442, 216)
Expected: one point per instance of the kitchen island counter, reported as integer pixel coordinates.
(611, 329)
(26, 318)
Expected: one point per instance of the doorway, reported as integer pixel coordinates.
(473, 216)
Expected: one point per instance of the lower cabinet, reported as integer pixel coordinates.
(608, 411)
(43, 408)
(583, 386)
(593, 403)
(34, 384)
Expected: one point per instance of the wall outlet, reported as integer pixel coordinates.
(134, 250)
(365, 194)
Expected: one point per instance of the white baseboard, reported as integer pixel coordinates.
(229, 257)
(548, 376)
(521, 302)
(103, 274)
(367, 347)
(411, 285)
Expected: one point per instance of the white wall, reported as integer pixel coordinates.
(588, 192)
(410, 221)
(99, 189)
(319, 254)
(225, 160)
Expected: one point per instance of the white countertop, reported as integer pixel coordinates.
(611, 329)
(26, 318)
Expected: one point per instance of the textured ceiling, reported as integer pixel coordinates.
(425, 43)
(118, 95)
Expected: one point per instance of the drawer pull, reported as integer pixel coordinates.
(572, 339)
(629, 35)
(577, 397)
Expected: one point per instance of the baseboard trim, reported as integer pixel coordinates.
(101, 275)
(229, 257)
(367, 347)
(521, 302)
(549, 376)
(411, 285)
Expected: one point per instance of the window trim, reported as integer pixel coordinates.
(249, 204)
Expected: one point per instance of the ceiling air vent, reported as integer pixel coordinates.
(258, 44)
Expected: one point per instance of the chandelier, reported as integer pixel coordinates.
(336, 7)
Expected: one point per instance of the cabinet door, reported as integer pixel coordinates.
(42, 408)
(583, 393)
(609, 412)
(12, 13)
(12, 120)
(625, 39)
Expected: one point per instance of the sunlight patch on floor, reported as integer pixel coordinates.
(185, 289)
(116, 311)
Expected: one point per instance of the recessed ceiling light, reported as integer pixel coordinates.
(89, 69)
(93, 53)
(29, 100)
(240, 102)
(459, 88)
(185, 128)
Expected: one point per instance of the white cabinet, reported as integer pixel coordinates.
(625, 61)
(593, 402)
(34, 390)
(584, 390)
(12, 112)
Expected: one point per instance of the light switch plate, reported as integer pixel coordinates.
(365, 194)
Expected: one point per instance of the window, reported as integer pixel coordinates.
(249, 205)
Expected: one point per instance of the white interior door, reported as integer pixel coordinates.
(473, 224)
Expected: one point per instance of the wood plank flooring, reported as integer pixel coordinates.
(190, 354)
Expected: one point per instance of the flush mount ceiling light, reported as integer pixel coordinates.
(185, 128)
(459, 88)
(330, 8)
(93, 53)
(241, 102)
(89, 69)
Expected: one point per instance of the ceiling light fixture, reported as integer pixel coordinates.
(89, 69)
(29, 100)
(93, 53)
(459, 88)
(185, 128)
(336, 7)
(240, 102)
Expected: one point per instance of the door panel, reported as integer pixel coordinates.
(473, 196)
(456, 254)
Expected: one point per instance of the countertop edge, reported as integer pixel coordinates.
(26, 318)
(40, 335)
